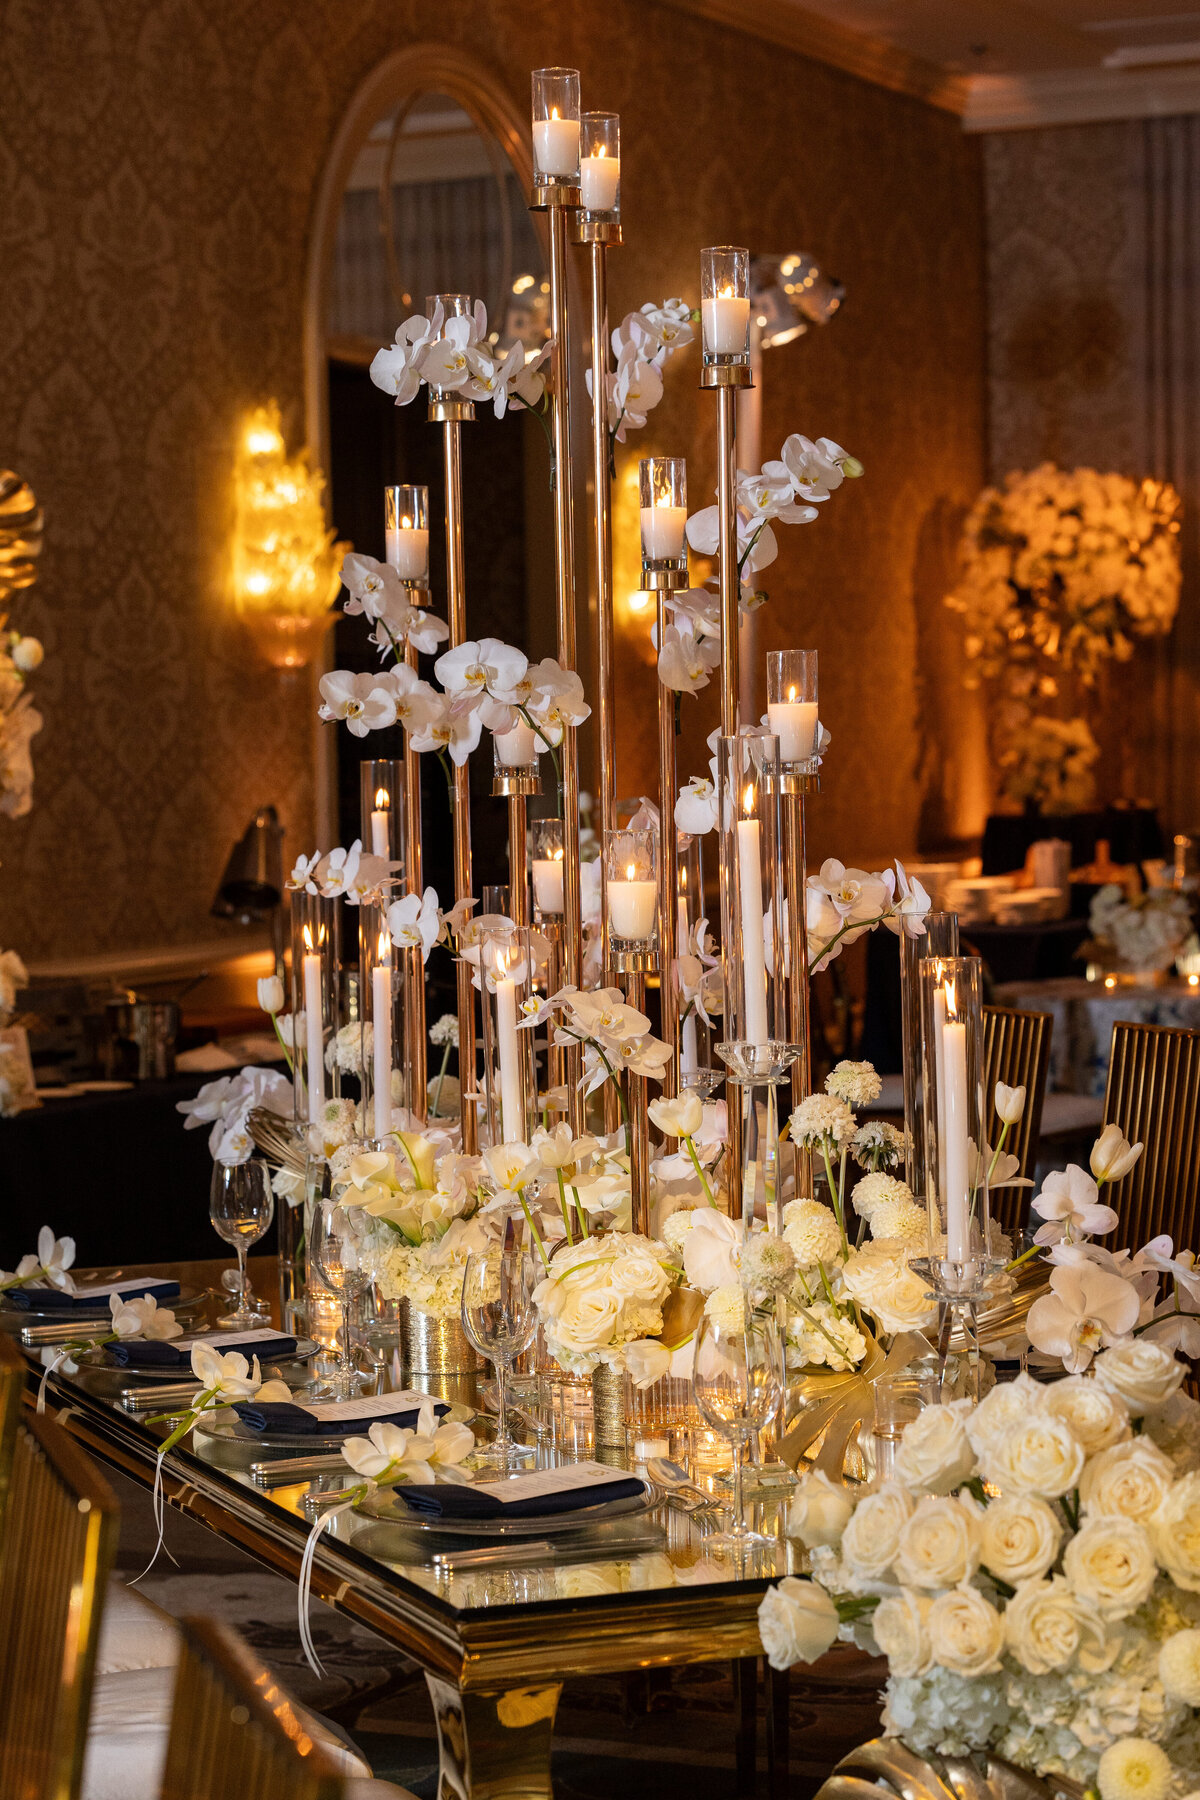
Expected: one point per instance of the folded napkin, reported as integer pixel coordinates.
(90, 1300)
(450, 1500)
(152, 1353)
(297, 1421)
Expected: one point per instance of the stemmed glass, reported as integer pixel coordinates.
(500, 1320)
(738, 1382)
(333, 1252)
(241, 1207)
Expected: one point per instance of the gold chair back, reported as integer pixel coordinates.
(235, 1731)
(1016, 1051)
(12, 1390)
(1153, 1094)
(60, 1535)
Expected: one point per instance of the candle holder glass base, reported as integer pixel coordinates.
(799, 778)
(703, 1081)
(629, 957)
(726, 371)
(522, 779)
(596, 228)
(757, 1065)
(549, 191)
(417, 590)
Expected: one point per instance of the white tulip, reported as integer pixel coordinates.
(1113, 1155)
(1010, 1103)
(270, 994)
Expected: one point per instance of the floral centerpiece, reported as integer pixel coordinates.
(1142, 934)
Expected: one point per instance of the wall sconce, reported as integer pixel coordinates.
(285, 560)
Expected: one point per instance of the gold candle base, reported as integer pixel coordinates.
(446, 410)
(727, 375)
(547, 195)
(515, 781)
(608, 1407)
(663, 578)
(431, 1344)
(596, 228)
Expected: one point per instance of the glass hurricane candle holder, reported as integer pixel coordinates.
(515, 760)
(725, 306)
(600, 166)
(662, 482)
(507, 971)
(546, 857)
(383, 967)
(694, 1047)
(631, 898)
(556, 131)
(406, 533)
(749, 825)
(792, 708)
(316, 969)
(381, 794)
(454, 306)
(960, 1257)
(940, 938)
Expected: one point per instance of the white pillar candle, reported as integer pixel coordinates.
(794, 723)
(662, 531)
(556, 146)
(753, 945)
(689, 1054)
(548, 884)
(408, 550)
(598, 178)
(379, 832)
(725, 319)
(314, 1037)
(512, 1114)
(632, 906)
(958, 1205)
(517, 748)
(939, 1082)
(381, 1046)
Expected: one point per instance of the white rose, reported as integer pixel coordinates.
(709, 1258)
(797, 1622)
(819, 1511)
(935, 1453)
(871, 1541)
(1042, 1456)
(1098, 1417)
(1111, 1562)
(1018, 1538)
(1047, 1626)
(1176, 1532)
(939, 1545)
(587, 1320)
(878, 1276)
(638, 1275)
(1008, 1403)
(966, 1634)
(1142, 1373)
(1128, 1481)
(899, 1626)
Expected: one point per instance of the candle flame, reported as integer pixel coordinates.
(748, 799)
(307, 934)
(630, 872)
(554, 112)
(383, 800)
(727, 292)
(792, 692)
(951, 1006)
(406, 523)
(601, 151)
(383, 949)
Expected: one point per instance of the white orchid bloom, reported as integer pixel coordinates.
(700, 607)
(455, 727)
(997, 1167)
(492, 380)
(417, 703)
(301, 877)
(769, 495)
(369, 879)
(423, 629)
(637, 389)
(910, 903)
(485, 666)
(1086, 1310)
(54, 1258)
(228, 1377)
(143, 1318)
(373, 586)
(337, 870)
(415, 923)
(1010, 1103)
(1069, 1204)
(364, 702)
(685, 662)
(696, 807)
(397, 368)
(444, 363)
(1113, 1155)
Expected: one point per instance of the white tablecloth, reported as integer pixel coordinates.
(1084, 1015)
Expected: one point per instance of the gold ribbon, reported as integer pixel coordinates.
(841, 1404)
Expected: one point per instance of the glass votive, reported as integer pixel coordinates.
(506, 971)
(631, 895)
(725, 304)
(956, 1174)
(381, 792)
(515, 760)
(406, 532)
(556, 128)
(600, 165)
(454, 306)
(792, 708)
(316, 971)
(546, 856)
(748, 808)
(662, 491)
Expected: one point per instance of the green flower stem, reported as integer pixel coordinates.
(839, 934)
(536, 1235)
(749, 548)
(835, 1196)
(408, 1155)
(579, 1212)
(286, 1052)
(998, 1149)
(553, 749)
(448, 772)
(437, 1092)
(696, 1164)
(1024, 1257)
(562, 1201)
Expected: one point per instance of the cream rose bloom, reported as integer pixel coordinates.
(934, 1453)
(966, 1634)
(1048, 1626)
(1175, 1529)
(1111, 1562)
(871, 1541)
(587, 1320)
(1019, 1537)
(1142, 1373)
(899, 1627)
(819, 1511)
(1009, 1403)
(797, 1622)
(939, 1545)
(1128, 1481)
(1042, 1456)
(878, 1276)
(1098, 1417)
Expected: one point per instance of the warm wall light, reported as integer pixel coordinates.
(285, 560)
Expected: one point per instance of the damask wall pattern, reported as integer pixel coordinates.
(158, 162)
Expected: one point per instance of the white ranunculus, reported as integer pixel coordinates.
(1019, 1538)
(1129, 1481)
(1144, 1375)
(1175, 1530)
(710, 1250)
(797, 1622)
(939, 1545)
(899, 1626)
(1048, 1626)
(871, 1540)
(819, 1511)
(966, 1634)
(1098, 1417)
(1111, 1562)
(1042, 1456)
(935, 1454)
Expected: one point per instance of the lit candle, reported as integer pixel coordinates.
(753, 945)
(632, 906)
(408, 549)
(314, 1036)
(794, 723)
(599, 176)
(511, 1111)
(958, 1205)
(556, 145)
(379, 824)
(548, 884)
(726, 319)
(517, 748)
(939, 1082)
(381, 1038)
(662, 531)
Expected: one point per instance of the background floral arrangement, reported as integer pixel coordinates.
(1146, 933)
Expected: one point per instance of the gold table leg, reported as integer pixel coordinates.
(494, 1745)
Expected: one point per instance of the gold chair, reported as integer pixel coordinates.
(59, 1539)
(1016, 1051)
(1153, 1094)
(12, 1390)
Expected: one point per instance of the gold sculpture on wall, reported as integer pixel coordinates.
(21, 525)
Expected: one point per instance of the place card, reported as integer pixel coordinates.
(565, 1479)
(234, 1340)
(373, 1406)
(133, 1284)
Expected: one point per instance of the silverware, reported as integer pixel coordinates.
(64, 1331)
(157, 1397)
(531, 1550)
(680, 1489)
(296, 1468)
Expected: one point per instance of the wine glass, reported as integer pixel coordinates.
(241, 1207)
(335, 1255)
(738, 1381)
(500, 1320)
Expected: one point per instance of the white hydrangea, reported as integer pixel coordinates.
(810, 1230)
(855, 1082)
(820, 1118)
(879, 1189)
(950, 1714)
(809, 1331)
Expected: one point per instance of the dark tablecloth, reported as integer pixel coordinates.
(1133, 832)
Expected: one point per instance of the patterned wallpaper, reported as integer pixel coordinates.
(158, 161)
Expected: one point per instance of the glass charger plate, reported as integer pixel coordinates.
(232, 1431)
(186, 1300)
(387, 1509)
(305, 1348)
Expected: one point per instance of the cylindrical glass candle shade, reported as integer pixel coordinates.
(381, 790)
(631, 894)
(752, 944)
(662, 482)
(939, 938)
(515, 760)
(406, 532)
(792, 708)
(955, 1170)
(454, 306)
(725, 304)
(506, 964)
(600, 165)
(316, 965)
(382, 969)
(556, 127)
(546, 858)
(689, 910)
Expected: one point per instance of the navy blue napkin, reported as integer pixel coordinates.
(152, 1353)
(48, 1299)
(283, 1416)
(450, 1500)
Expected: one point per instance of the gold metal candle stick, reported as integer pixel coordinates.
(405, 518)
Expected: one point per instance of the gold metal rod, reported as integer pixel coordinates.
(606, 707)
(463, 883)
(639, 1121)
(730, 585)
(518, 884)
(795, 856)
(414, 876)
(668, 872)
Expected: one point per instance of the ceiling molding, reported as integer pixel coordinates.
(783, 22)
(1078, 97)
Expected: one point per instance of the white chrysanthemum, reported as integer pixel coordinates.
(855, 1082)
(1179, 1667)
(900, 1219)
(820, 1117)
(1134, 1769)
(444, 1031)
(819, 1336)
(878, 1145)
(767, 1263)
(810, 1231)
(726, 1307)
(879, 1190)
(677, 1226)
